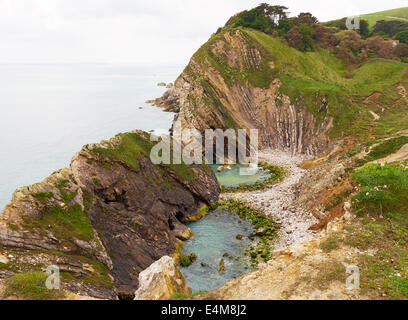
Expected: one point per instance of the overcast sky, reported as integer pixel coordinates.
(134, 31)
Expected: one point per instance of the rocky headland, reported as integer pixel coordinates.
(105, 219)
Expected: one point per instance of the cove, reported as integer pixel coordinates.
(233, 179)
(215, 238)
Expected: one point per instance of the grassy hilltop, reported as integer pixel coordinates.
(317, 74)
(388, 15)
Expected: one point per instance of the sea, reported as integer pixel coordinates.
(48, 112)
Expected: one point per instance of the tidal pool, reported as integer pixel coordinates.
(234, 179)
(214, 237)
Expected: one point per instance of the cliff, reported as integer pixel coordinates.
(106, 218)
(299, 101)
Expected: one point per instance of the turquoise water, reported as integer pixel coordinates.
(233, 179)
(48, 112)
(214, 236)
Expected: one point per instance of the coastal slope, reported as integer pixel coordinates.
(105, 219)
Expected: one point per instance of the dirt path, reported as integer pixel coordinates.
(397, 18)
(276, 201)
(400, 155)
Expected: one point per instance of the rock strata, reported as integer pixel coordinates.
(205, 97)
(108, 217)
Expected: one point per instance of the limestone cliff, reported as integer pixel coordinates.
(231, 82)
(299, 101)
(106, 218)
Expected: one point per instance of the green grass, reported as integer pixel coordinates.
(384, 274)
(390, 199)
(310, 77)
(30, 286)
(99, 277)
(131, 148)
(384, 219)
(197, 295)
(65, 220)
(384, 149)
(372, 18)
(317, 75)
(185, 261)
(43, 197)
(63, 223)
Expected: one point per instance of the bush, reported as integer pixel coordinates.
(402, 36)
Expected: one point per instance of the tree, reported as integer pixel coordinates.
(294, 38)
(347, 54)
(402, 36)
(378, 45)
(300, 37)
(389, 28)
(284, 25)
(352, 40)
(306, 17)
(265, 18)
(323, 36)
(364, 28)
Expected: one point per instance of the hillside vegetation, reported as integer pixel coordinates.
(359, 79)
(317, 76)
(388, 15)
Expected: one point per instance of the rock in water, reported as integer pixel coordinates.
(161, 281)
(223, 169)
(222, 266)
(161, 84)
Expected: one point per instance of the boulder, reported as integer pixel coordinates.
(161, 84)
(223, 168)
(180, 230)
(161, 281)
(260, 232)
(3, 259)
(222, 266)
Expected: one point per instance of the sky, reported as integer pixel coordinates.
(151, 32)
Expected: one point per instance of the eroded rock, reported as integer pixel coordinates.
(113, 211)
(161, 281)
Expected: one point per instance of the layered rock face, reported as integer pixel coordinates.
(107, 218)
(161, 281)
(217, 90)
